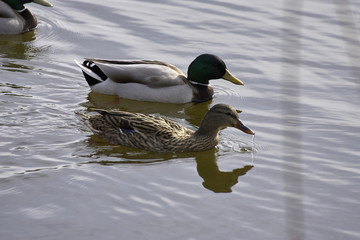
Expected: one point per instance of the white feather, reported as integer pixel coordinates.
(171, 94)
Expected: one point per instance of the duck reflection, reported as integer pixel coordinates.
(191, 112)
(16, 46)
(21, 47)
(214, 179)
(206, 162)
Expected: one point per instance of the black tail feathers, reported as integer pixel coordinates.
(95, 69)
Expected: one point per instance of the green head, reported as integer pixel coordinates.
(206, 67)
(19, 4)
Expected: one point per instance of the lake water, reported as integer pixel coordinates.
(300, 62)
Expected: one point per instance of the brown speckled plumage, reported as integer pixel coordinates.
(158, 134)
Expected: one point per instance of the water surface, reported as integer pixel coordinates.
(300, 64)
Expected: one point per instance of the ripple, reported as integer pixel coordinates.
(237, 144)
(52, 24)
(47, 29)
(227, 93)
(42, 212)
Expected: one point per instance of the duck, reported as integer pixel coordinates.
(156, 134)
(156, 81)
(15, 18)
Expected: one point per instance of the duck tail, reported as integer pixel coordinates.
(87, 120)
(92, 73)
(82, 116)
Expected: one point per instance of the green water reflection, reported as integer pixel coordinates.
(19, 47)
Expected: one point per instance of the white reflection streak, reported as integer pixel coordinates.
(292, 145)
(351, 37)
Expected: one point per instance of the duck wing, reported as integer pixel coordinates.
(155, 74)
(143, 124)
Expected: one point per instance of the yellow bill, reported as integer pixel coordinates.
(228, 76)
(43, 2)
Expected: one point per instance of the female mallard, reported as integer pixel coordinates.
(156, 81)
(15, 18)
(158, 134)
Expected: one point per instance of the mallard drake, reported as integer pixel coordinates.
(157, 134)
(15, 18)
(156, 81)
